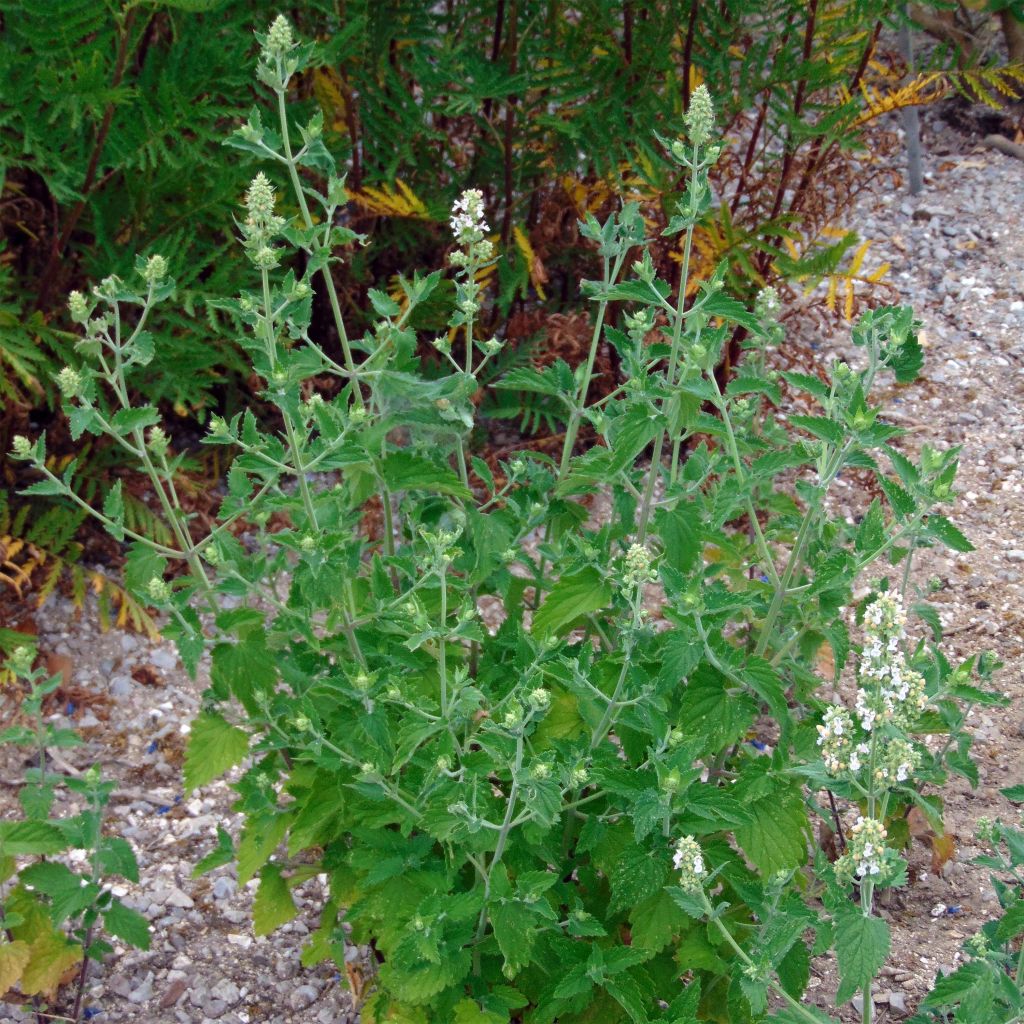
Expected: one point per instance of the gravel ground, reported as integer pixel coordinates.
(957, 253)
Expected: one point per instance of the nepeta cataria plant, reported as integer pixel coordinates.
(499, 804)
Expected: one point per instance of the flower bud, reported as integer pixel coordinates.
(69, 382)
(21, 446)
(20, 661)
(280, 39)
(155, 271)
(78, 307)
(158, 590)
(700, 116)
(259, 200)
(539, 698)
(159, 442)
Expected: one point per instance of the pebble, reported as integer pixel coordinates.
(121, 686)
(142, 991)
(224, 888)
(302, 997)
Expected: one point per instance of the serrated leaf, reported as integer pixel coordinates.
(636, 876)
(656, 922)
(13, 958)
(776, 839)
(1011, 924)
(624, 989)
(273, 905)
(514, 926)
(871, 532)
(941, 528)
(571, 597)
(30, 838)
(50, 955)
(115, 856)
(820, 427)
(681, 532)
(214, 746)
(127, 924)
(862, 946)
(405, 471)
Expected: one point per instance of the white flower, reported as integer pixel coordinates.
(468, 224)
(689, 862)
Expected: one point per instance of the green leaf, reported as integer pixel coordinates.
(820, 427)
(514, 928)
(243, 669)
(941, 528)
(469, 1012)
(636, 876)
(127, 924)
(404, 471)
(30, 838)
(223, 853)
(656, 922)
(113, 509)
(871, 533)
(382, 303)
(1014, 794)
(776, 840)
(125, 421)
(115, 856)
(214, 746)
(1011, 924)
(273, 905)
(624, 989)
(728, 308)
(681, 534)
(862, 946)
(571, 597)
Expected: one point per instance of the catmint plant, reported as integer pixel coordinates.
(56, 901)
(595, 801)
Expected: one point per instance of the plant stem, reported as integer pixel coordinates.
(325, 272)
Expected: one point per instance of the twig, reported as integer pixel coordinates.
(1004, 145)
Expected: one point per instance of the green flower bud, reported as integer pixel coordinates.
(259, 200)
(156, 270)
(158, 590)
(700, 116)
(78, 307)
(21, 446)
(280, 39)
(539, 698)
(159, 442)
(266, 257)
(70, 382)
(20, 661)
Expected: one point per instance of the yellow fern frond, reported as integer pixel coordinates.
(535, 267)
(388, 202)
(926, 88)
(327, 90)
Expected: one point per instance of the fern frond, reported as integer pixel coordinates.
(386, 201)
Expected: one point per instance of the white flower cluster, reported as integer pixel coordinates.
(468, 224)
(689, 862)
(865, 850)
(890, 691)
